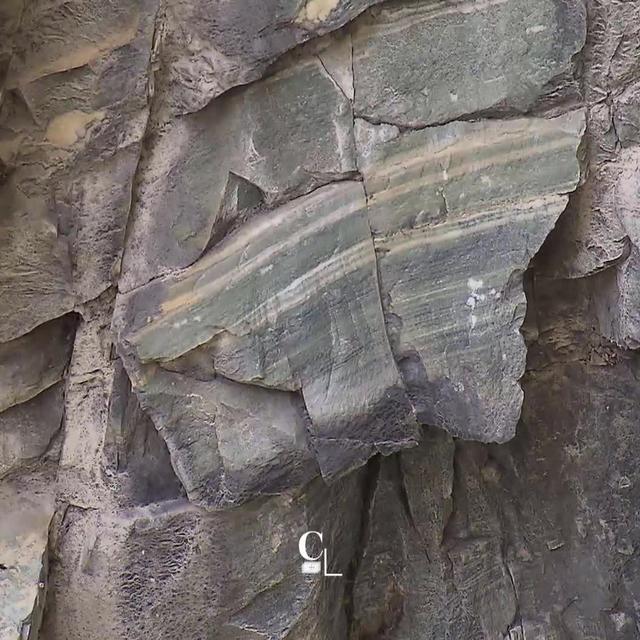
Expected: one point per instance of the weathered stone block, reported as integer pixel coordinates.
(458, 211)
(285, 135)
(173, 570)
(212, 45)
(26, 505)
(289, 302)
(35, 361)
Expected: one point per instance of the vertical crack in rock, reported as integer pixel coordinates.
(369, 485)
(152, 69)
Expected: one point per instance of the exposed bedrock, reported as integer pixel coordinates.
(536, 538)
(262, 271)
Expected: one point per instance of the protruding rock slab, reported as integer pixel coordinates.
(420, 63)
(289, 302)
(34, 362)
(28, 429)
(285, 135)
(458, 211)
(228, 441)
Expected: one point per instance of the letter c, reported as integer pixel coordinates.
(302, 545)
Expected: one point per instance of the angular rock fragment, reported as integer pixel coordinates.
(291, 303)
(172, 570)
(626, 115)
(457, 212)
(35, 272)
(26, 505)
(591, 238)
(28, 429)
(34, 362)
(619, 287)
(228, 441)
(418, 63)
(210, 46)
(284, 135)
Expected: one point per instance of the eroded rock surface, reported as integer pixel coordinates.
(420, 63)
(457, 212)
(263, 270)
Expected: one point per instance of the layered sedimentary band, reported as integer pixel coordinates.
(290, 302)
(457, 212)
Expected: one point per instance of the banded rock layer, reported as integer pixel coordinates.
(290, 301)
(237, 256)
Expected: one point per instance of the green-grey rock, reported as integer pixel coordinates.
(457, 212)
(289, 302)
(419, 63)
(302, 140)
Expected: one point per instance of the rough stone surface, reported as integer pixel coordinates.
(34, 362)
(420, 63)
(304, 139)
(544, 523)
(210, 46)
(363, 267)
(26, 504)
(171, 569)
(295, 311)
(457, 212)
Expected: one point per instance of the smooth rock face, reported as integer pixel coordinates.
(457, 212)
(421, 63)
(295, 310)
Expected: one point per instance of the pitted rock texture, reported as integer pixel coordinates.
(362, 267)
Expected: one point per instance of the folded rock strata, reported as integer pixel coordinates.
(457, 212)
(291, 303)
(302, 140)
(231, 264)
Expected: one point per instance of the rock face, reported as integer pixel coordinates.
(421, 63)
(457, 212)
(368, 269)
